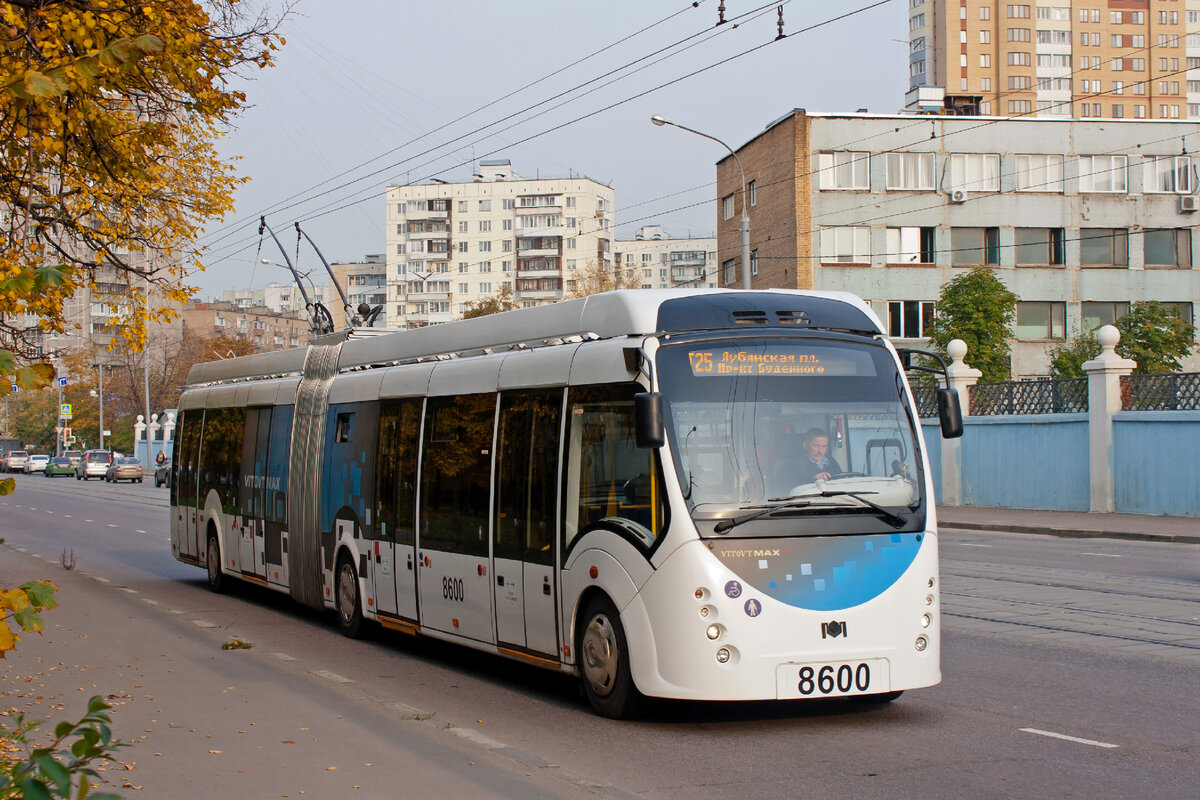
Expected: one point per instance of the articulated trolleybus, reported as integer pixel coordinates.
(710, 495)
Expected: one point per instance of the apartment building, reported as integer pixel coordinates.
(1079, 218)
(266, 329)
(1117, 59)
(449, 244)
(658, 261)
(275, 297)
(363, 282)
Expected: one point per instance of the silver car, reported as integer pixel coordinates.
(93, 465)
(15, 461)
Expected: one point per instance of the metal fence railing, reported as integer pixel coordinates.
(1030, 397)
(926, 398)
(1173, 391)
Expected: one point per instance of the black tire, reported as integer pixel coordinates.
(604, 662)
(212, 560)
(139, 480)
(157, 483)
(347, 601)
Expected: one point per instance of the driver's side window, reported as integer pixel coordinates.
(609, 481)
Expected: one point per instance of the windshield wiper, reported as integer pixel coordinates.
(893, 519)
(729, 524)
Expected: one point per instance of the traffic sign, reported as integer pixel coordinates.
(62, 382)
(16, 388)
(64, 411)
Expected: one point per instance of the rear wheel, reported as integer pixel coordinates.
(604, 662)
(349, 609)
(212, 560)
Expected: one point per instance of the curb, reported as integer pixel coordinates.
(1072, 533)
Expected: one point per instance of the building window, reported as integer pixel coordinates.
(975, 172)
(485, 205)
(753, 263)
(1020, 59)
(1103, 247)
(729, 271)
(1093, 315)
(971, 247)
(845, 170)
(485, 247)
(1170, 247)
(846, 245)
(1037, 247)
(752, 193)
(485, 225)
(911, 171)
(910, 245)
(1019, 12)
(909, 319)
(1039, 173)
(462, 206)
(727, 206)
(1171, 174)
(1102, 173)
(1037, 320)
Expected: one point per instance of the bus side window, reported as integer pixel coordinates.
(609, 481)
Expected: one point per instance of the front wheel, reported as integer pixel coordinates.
(604, 662)
(212, 560)
(349, 609)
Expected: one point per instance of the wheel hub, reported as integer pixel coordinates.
(601, 655)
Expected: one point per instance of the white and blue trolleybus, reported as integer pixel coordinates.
(708, 494)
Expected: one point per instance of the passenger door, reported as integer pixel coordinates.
(394, 551)
(454, 532)
(527, 448)
(184, 486)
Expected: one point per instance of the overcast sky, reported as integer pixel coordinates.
(373, 93)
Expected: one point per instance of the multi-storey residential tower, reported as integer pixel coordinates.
(658, 261)
(1069, 58)
(450, 244)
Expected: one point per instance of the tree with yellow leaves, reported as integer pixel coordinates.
(109, 111)
(595, 278)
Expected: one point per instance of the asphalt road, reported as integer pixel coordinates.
(1069, 671)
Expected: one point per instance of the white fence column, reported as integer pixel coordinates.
(961, 378)
(1104, 399)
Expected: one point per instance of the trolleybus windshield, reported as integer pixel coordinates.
(812, 426)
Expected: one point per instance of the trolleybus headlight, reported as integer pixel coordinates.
(925, 620)
(722, 655)
(921, 644)
(931, 583)
(713, 631)
(704, 611)
(702, 593)
(928, 599)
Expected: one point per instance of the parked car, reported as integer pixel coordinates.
(162, 473)
(59, 465)
(15, 460)
(124, 469)
(36, 463)
(74, 455)
(94, 464)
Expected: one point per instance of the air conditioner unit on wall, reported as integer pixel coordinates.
(1188, 203)
(958, 195)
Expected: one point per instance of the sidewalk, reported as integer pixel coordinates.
(1077, 524)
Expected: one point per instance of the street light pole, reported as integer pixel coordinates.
(100, 367)
(660, 120)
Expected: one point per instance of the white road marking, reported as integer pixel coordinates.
(111, 525)
(68, 516)
(100, 580)
(149, 602)
(332, 676)
(87, 520)
(969, 544)
(22, 550)
(283, 656)
(1067, 738)
(127, 589)
(478, 738)
(1102, 555)
(199, 623)
(139, 531)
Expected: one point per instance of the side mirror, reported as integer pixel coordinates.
(949, 413)
(649, 429)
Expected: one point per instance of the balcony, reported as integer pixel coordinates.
(443, 233)
(539, 294)
(688, 260)
(687, 275)
(545, 230)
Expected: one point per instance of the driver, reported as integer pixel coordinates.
(816, 464)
